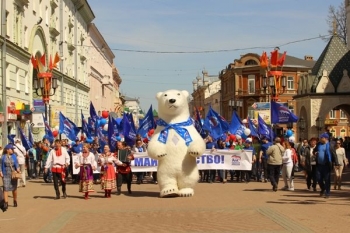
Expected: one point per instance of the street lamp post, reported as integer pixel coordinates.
(302, 126)
(319, 124)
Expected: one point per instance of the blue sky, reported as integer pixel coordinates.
(201, 25)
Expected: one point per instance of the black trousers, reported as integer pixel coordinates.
(274, 171)
(127, 177)
(311, 178)
(58, 177)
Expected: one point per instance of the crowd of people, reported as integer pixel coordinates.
(55, 162)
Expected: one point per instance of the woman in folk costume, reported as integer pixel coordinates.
(107, 161)
(58, 160)
(86, 162)
(9, 163)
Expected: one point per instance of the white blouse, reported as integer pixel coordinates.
(287, 158)
(110, 159)
(90, 159)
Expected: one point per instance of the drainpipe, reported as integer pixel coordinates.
(3, 71)
(76, 63)
(61, 48)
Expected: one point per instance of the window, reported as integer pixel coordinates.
(342, 114)
(251, 84)
(251, 111)
(250, 63)
(332, 114)
(342, 133)
(26, 86)
(291, 108)
(25, 37)
(18, 88)
(290, 83)
(47, 15)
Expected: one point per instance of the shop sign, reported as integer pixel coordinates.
(39, 106)
(331, 122)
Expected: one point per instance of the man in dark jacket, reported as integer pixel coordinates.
(325, 159)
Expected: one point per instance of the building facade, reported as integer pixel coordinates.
(42, 29)
(104, 79)
(206, 93)
(242, 85)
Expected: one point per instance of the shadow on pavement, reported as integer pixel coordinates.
(45, 197)
(141, 194)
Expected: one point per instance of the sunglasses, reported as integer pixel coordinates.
(338, 143)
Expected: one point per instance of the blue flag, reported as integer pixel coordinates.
(128, 132)
(112, 133)
(132, 123)
(30, 135)
(67, 128)
(253, 129)
(147, 123)
(103, 140)
(215, 124)
(264, 130)
(281, 114)
(198, 122)
(85, 127)
(25, 142)
(93, 120)
(11, 138)
(236, 125)
(48, 132)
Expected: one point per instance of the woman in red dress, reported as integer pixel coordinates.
(108, 161)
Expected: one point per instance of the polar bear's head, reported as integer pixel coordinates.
(173, 103)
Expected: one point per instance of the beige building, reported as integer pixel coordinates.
(104, 79)
(46, 27)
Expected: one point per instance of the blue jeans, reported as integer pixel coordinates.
(31, 168)
(324, 178)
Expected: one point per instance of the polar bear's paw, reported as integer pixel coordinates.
(169, 192)
(186, 192)
(161, 155)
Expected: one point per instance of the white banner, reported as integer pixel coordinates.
(210, 160)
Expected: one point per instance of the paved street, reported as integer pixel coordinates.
(230, 207)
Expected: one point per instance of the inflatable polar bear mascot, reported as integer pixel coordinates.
(176, 144)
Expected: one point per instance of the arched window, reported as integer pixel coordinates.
(250, 63)
(342, 133)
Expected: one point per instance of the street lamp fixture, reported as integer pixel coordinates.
(275, 88)
(302, 126)
(234, 104)
(319, 124)
(45, 83)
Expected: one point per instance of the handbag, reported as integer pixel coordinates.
(14, 174)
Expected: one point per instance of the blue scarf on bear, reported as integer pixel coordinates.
(178, 127)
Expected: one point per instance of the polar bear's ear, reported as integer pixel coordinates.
(159, 94)
(185, 93)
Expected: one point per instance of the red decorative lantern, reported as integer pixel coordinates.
(105, 114)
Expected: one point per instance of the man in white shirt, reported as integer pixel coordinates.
(20, 151)
(58, 160)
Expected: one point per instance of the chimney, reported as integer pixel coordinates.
(308, 58)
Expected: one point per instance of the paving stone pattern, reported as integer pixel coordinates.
(230, 207)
